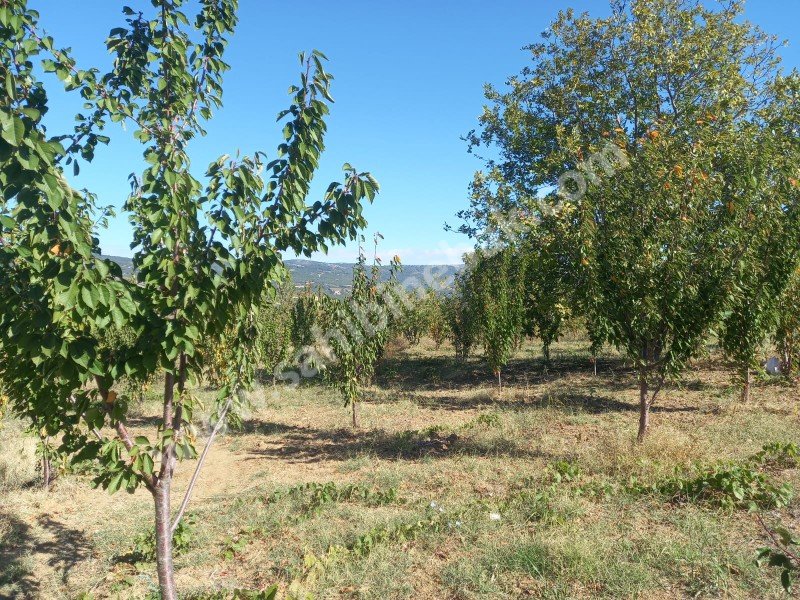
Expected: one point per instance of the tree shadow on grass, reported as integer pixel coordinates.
(262, 427)
(308, 444)
(442, 372)
(63, 548)
(580, 398)
(16, 576)
(67, 548)
(596, 405)
(435, 400)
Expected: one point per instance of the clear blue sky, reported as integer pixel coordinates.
(409, 82)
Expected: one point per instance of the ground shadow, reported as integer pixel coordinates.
(62, 546)
(407, 372)
(596, 405)
(261, 427)
(307, 444)
(580, 398)
(16, 577)
(67, 547)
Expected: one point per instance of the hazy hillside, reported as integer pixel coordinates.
(336, 277)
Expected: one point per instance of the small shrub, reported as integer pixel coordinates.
(726, 487)
(313, 496)
(779, 455)
(486, 420)
(564, 471)
(144, 544)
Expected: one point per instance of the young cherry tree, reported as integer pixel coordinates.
(356, 330)
(461, 308)
(206, 250)
(787, 330)
(764, 272)
(498, 279)
(763, 276)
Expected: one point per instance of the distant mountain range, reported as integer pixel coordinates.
(336, 278)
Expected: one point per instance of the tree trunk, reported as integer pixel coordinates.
(353, 411)
(746, 384)
(166, 574)
(46, 472)
(644, 408)
(499, 381)
(594, 363)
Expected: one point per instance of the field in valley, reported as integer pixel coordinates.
(450, 488)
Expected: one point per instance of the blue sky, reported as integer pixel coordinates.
(409, 79)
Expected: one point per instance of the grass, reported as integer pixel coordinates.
(450, 489)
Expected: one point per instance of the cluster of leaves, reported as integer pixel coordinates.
(314, 496)
(565, 471)
(499, 283)
(144, 544)
(777, 455)
(498, 300)
(306, 319)
(422, 315)
(462, 315)
(787, 330)
(729, 486)
(783, 554)
(273, 345)
(356, 329)
(486, 420)
(394, 534)
(270, 593)
(275, 328)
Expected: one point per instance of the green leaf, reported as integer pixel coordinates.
(115, 482)
(13, 131)
(87, 296)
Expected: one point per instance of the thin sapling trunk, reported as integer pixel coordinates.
(644, 408)
(746, 381)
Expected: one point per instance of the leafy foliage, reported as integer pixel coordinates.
(275, 327)
(782, 554)
(727, 488)
(499, 283)
(787, 330)
(356, 329)
(206, 252)
(461, 310)
(653, 169)
(144, 544)
(314, 496)
(745, 485)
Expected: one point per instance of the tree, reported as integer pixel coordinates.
(648, 126)
(772, 254)
(549, 288)
(275, 327)
(499, 282)
(461, 310)
(306, 317)
(205, 252)
(437, 325)
(787, 331)
(356, 330)
(762, 277)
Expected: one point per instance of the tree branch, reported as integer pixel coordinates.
(188, 495)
